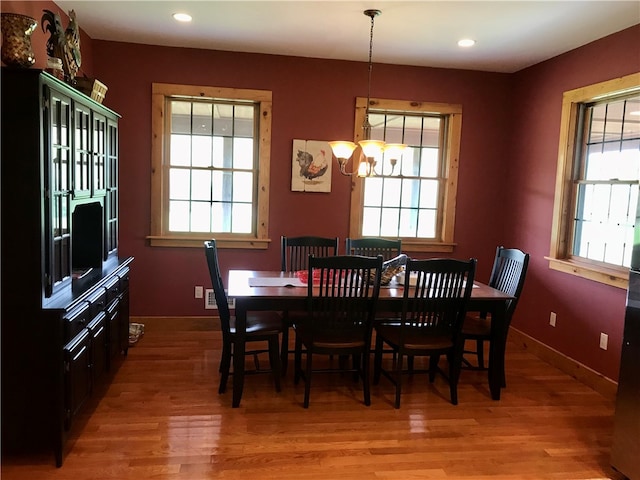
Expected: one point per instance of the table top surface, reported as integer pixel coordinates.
(286, 284)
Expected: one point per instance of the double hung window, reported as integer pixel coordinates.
(411, 197)
(211, 166)
(597, 183)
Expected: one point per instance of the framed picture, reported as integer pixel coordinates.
(311, 166)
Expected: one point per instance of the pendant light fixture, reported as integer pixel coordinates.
(343, 150)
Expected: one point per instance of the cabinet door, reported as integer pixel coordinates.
(57, 165)
(77, 374)
(82, 151)
(99, 155)
(111, 202)
(99, 346)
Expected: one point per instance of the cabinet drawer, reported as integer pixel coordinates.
(113, 288)
(99, 345)
(75, 320)
(124, 279)
(97, 301)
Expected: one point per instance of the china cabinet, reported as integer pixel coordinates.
(65, 290)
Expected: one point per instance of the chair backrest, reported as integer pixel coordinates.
(436, 293)
(342, 293)
(295, 251)
(222, 302)
(508, 274)
(374, 246)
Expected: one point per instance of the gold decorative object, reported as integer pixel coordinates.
(16, 40)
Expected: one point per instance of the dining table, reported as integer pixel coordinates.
(260, 290)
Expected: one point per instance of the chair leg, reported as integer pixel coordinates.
(307, 379)
(455, 364)
(398, 379)
(225, 365)
(433, 367)
(480, 352)
(284, 355)
(377, 360)
(274, 360)
(366, 362)
(297, 363)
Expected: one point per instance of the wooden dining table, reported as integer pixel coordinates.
(256, 290)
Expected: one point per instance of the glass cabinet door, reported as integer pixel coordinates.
(57, 117)
(82, 151)
(111, 202)
(99, 155)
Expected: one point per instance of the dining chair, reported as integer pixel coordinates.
(507, 275)
(261, 327)
(374, 246)
(435, 296)
(294, 256)
(342, 293)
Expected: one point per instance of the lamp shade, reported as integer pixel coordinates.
(394, 150)
(371, 148)
(342, 149)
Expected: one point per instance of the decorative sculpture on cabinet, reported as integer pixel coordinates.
(63, 44)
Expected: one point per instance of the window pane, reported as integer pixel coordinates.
(373, 191)
(201, 186)
(222, 186)
(395, 133)
(371, 222)
(179, 185)
(202, 120)
(429, 162)
(243, 153)
(389, 222)
(217, 144)
(242, 218)
(411, 162)
(200, 215)
(429, 194)
(391, 192)
(223, 118)
(243, 121)
(201, 151)
(180, 117)
(408, 223)
(180, 150)
(427, 224)
(221, 217)
(242, 187)
(410, 193)
(179, 216)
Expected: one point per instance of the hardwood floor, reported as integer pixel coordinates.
(162, 418)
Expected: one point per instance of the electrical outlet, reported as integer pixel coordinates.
(604, 341)
(552, 319)
(198, 292)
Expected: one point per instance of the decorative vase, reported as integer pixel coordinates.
(16, 40)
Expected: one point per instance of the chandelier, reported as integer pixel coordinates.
(343, 150)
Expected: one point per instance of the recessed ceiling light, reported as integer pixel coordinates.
(182, 17)
(466, 42)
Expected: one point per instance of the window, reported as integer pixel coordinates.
(210, 173)
(415, 198)
(597, 181)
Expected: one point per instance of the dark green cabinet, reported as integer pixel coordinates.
(65, 289)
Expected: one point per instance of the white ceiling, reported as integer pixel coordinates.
(510, 35)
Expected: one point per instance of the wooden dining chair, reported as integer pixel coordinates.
(341, 300)
(294, 256)
(507, 275)
(436, 292)
(374, 246)
(261, 327)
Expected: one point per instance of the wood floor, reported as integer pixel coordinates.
(163, 419)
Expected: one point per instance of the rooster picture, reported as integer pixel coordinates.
(63, 44)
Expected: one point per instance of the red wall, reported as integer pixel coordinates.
(584, 308)
(506, 180)
(312, 99)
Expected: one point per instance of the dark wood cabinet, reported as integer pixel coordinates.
(65, 291)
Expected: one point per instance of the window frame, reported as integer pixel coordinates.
(560, 256)
(446, 242)
(160, 236)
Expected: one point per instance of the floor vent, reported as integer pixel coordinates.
(210, 300)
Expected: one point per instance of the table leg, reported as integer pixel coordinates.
(238, 353)
(497, 349)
